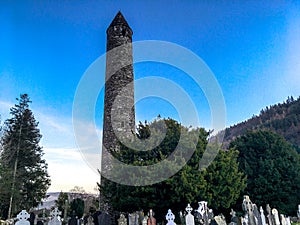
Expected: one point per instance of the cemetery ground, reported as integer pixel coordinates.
(203, 215)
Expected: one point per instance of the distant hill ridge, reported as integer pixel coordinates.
(282, 118)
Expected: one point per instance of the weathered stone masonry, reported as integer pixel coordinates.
(119, 113)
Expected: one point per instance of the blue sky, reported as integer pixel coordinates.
(252, 48)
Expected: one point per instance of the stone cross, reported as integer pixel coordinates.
(248, 208)
(262, 216)
(55, 217)
(22, 218)
(189, 218)
(55, 213)
(276, 216)
(122, 220)
(170, 218)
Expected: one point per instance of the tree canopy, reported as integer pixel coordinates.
(24, 179)
(220, 184)
(272, 167)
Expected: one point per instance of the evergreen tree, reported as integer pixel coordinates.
(220, 184)
(76, 207)
(61, 202)
(272, 167)
(24, 179)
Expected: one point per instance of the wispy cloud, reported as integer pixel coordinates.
(69, 163)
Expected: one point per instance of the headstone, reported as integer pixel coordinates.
(282, 219)
(95, 217)
(288, 220)
(262, 216)
(220, 220)
(203, 214)
(39, 222)
(248, 208)
(189, 218)
(90, 220)
(73, 220)
(104, 219)
(170, 218)
(55, 217)
(269, 215)
(151, 220)
(256, 214)
(182, 217)
(133, 218)
(245, 220)
(276, 216)
(31, 218)
(122, 220)
(23, 218)
(234, 218)
(145, 220)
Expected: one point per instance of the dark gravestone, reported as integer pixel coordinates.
(72, 221)
(85, 219)
(39, 222)
(105, 219)
(95, 217)
(31, 218)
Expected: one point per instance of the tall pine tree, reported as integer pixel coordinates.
(24, 179)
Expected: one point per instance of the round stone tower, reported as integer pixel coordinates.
(119, 113)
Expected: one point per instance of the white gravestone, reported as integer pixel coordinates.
(55, 217)
(170, 218)
(288, 221)
(248, 208)
(276, 216)
(282, 219)
(189, 218)
(245, 220)
(220, 220)
(133, 218)
(22, 218)
(262, 216)
(269, 215)
(204, 215)
(145, 219)
(122, 220)
(202, 207)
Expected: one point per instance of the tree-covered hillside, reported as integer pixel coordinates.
(282, 118)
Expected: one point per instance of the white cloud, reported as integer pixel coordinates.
(68, 165)
(5, 109)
